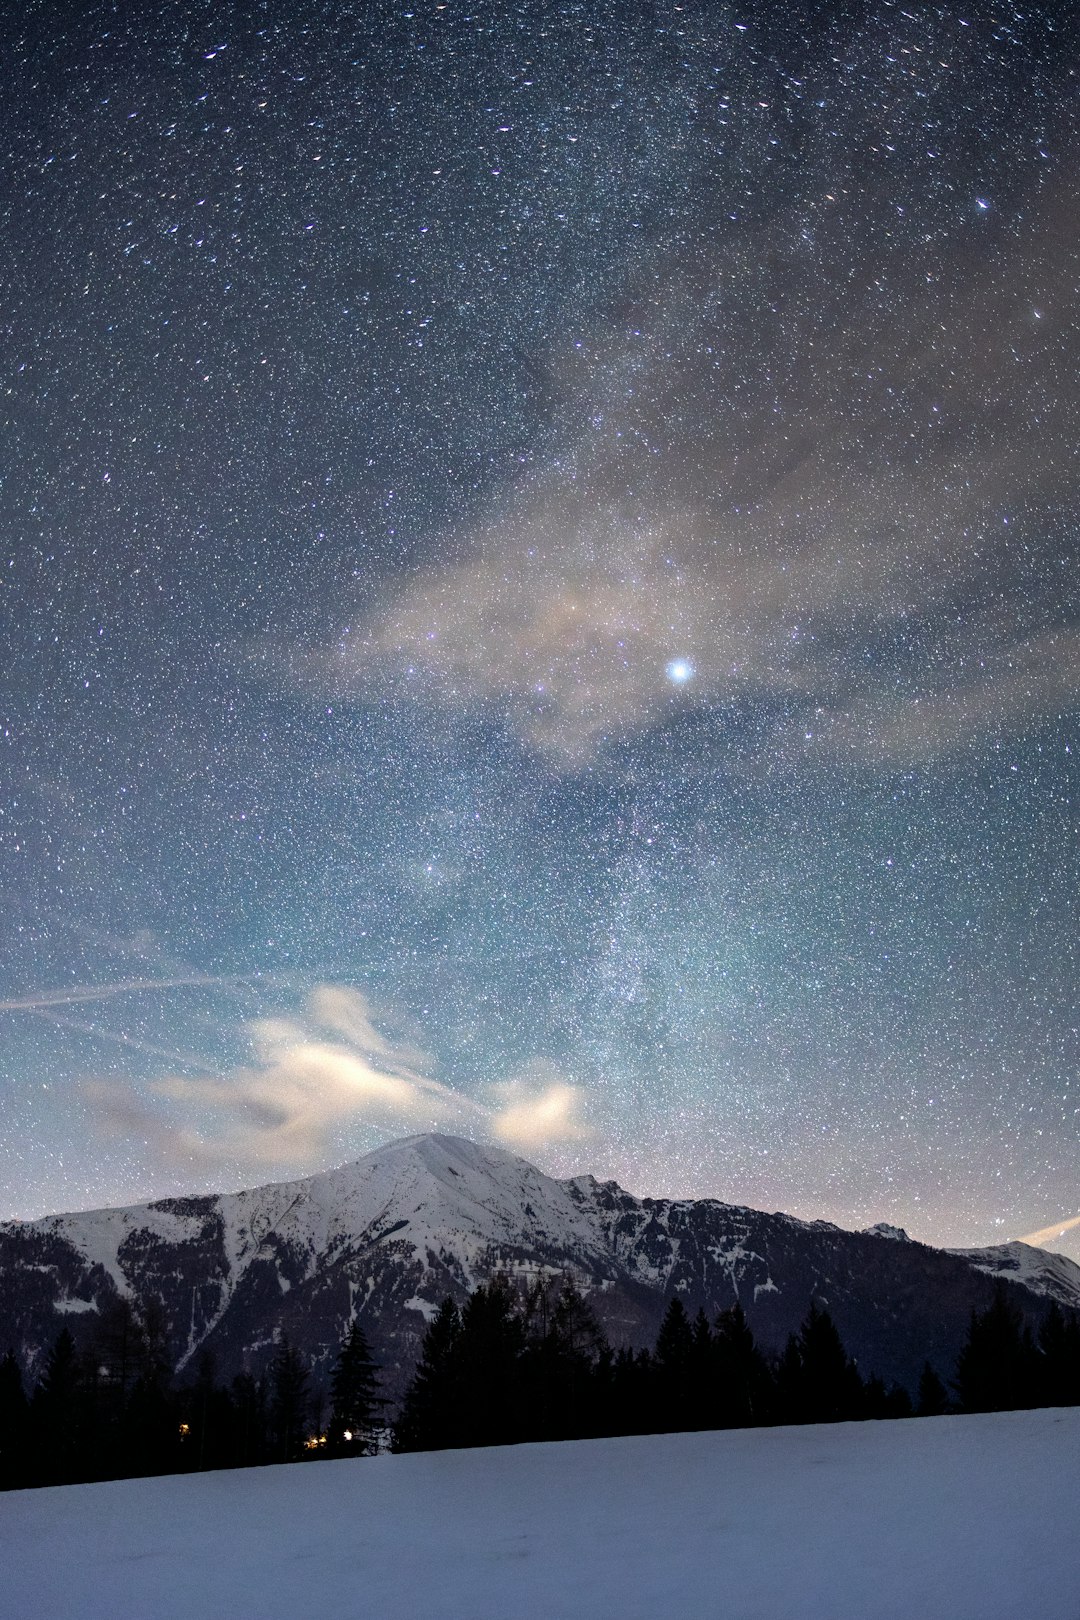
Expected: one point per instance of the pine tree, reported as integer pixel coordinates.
(673, 1363)
(745, 1389)
(56, 1416)
(244, 1414)
(933, 1397)
(630, 1393)
(14, 1417)
(816, 1380)
(353, 1397)
(790, 1403)
(491, 1346)
(431, 1416)
(288, 1402)
(702, 1384)
(997, 1369)
(556, 1368)
(1059, 1359)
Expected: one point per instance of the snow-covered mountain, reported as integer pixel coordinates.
(386, 1238)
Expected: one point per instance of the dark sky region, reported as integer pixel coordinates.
(540, 598)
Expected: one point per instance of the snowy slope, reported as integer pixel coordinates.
(970, 1518)
(1053, 1275)
(448, 1192)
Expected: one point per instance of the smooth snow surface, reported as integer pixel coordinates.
(969, 1518)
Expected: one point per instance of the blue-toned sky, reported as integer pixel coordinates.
(540, 598)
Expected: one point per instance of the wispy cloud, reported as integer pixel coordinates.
(316, 1078)
(850, 514)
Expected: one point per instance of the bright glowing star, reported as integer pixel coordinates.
(680, 670)
(983, 203)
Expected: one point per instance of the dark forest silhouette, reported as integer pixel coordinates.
(506, 1367)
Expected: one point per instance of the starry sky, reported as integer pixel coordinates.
(539, 598)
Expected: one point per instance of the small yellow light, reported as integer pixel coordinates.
(185, 1428)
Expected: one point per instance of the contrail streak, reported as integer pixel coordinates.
(1049, 1233)
(102, 992)
(186, 1060)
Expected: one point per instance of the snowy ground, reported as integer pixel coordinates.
(971, 1518)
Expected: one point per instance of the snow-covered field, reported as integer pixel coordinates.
(967, 1518)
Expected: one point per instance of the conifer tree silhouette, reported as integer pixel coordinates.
(354, 1400)
(56, 1415)
(14, 1421)
(673, 1365)
(1059, 1359)
(933, 1398)
(745, 1387)
(288, 1401)
(431, 1417)
(997, 1369)
(816, 1380)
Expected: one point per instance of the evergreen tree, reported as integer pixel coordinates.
(119, 1349)
(1059, 1359)
(745, 1395)
(288, 1402)
(997, 1370)
(790, 1405)
(702, 1384)
(933, 1397)
(574, 1321)
(14, 1418)
(816, 1380)
(673, 1363)
(634, 1381)
(491, 1346)
(556, 1368)
(832, 1388)
(56, 1416)
(879, 1403)
(353, 1397)
(245, 1409)
(431, 1413)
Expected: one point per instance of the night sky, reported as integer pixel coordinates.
(540, 598)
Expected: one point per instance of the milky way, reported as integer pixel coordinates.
(540, 598)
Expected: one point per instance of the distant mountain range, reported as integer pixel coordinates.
(387, 1238)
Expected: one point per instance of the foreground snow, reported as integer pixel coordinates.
(970, 1518)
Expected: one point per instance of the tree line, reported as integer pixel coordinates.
(505, 1367)
(114, 1411)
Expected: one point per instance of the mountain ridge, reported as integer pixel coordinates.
(384, 1238)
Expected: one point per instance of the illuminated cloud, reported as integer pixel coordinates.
(317, 1078)
(537, 1109)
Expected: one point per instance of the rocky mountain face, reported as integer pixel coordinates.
(387, 1238)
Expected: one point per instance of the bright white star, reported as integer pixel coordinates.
(680, 670)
